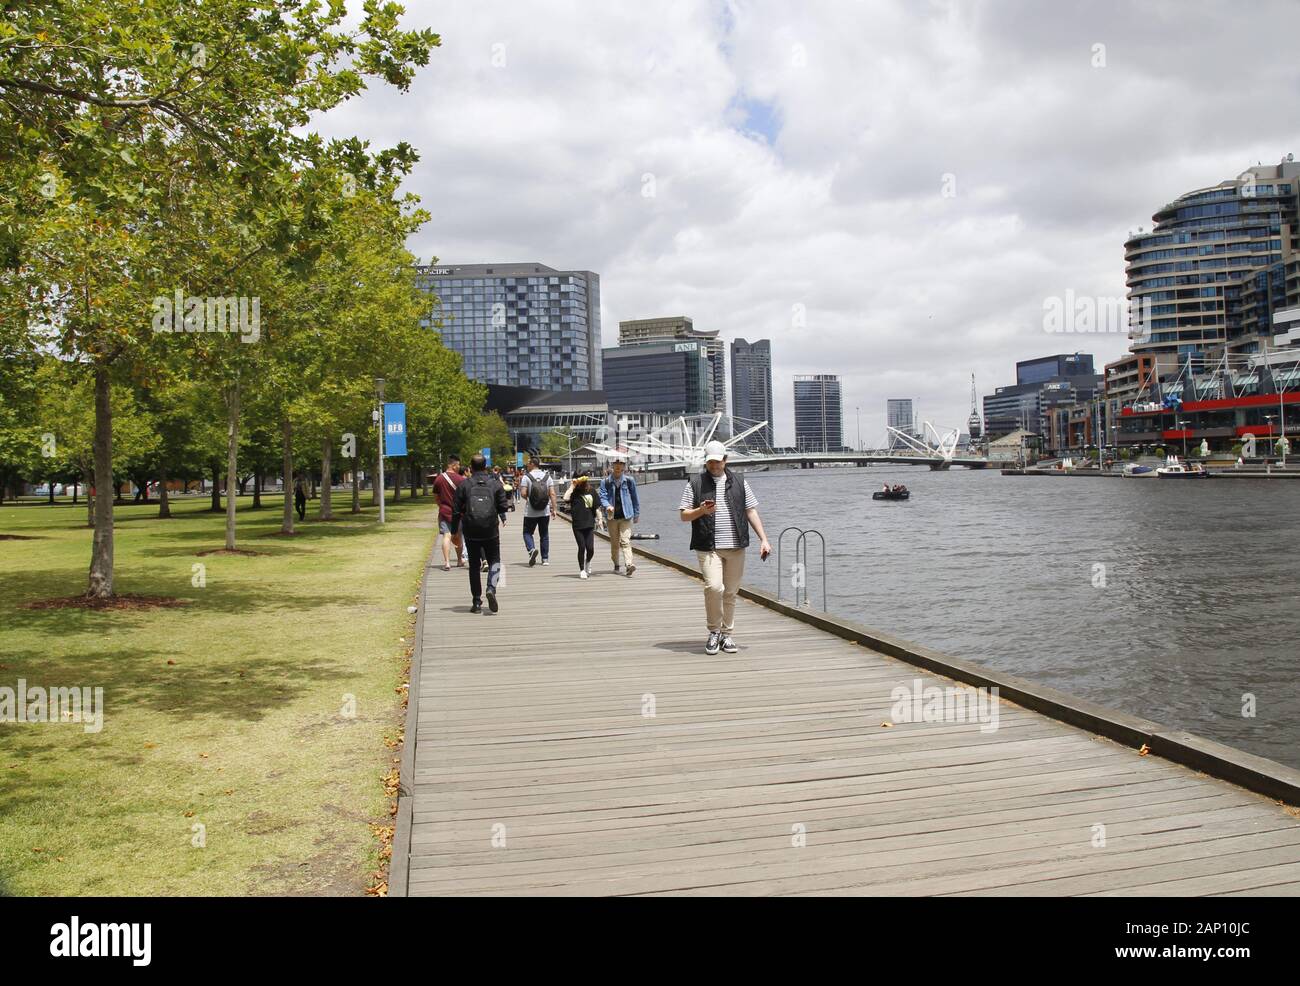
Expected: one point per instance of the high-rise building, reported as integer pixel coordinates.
(520, 325)
(1042, 385)
(663, 377)
(1203, 242)
(899, 414)
(751, 386)
(667, 328)
(818, 413)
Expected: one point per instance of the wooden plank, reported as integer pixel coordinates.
(532, 719)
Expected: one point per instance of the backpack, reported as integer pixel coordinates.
(481, 510)
(538, 494)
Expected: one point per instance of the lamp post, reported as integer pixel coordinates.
(859, 414)
(1182, 426)
(379, 425)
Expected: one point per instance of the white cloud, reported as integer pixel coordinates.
(537, 123)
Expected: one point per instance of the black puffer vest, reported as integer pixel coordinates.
(703, 487)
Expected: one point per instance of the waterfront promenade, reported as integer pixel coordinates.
(581, 743)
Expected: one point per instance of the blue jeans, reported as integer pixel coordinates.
(543, 526)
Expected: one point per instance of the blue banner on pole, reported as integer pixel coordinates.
(487, 454)
(519, 460)
(394, 430)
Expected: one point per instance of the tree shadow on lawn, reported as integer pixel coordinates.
(201, 684)
(239, 598)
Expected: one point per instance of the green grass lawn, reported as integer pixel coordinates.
(228, 712)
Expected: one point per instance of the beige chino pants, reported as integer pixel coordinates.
(722, 571)
(620, 541)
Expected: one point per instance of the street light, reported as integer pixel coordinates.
(1182, 426)
(379, 423)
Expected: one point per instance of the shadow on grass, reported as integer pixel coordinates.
(225, 598)
(211, 684)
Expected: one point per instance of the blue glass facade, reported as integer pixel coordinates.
(520, 325)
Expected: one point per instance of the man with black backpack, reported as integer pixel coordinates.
(539, 508)
(480, 506)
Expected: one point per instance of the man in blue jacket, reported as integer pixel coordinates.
(619, 501)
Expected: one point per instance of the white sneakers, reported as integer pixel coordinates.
(582, 573)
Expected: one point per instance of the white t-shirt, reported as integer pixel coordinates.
(540, 477)
(724, 532)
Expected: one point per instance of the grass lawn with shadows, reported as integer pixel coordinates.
(227, 763)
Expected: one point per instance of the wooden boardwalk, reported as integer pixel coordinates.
(541, 767)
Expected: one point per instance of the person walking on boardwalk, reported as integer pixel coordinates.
(445, 488)
(721, 508)
(584, 508)
(539, 508)
(300, 500)
(478, 509)
(622, 506)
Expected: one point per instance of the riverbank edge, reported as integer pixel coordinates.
(1259, 774)
(399, 879)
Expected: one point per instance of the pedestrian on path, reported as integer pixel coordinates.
(478, 509)
(622, 506)
(539, 508)
(584, 508)
(445, 488)
(721, 508)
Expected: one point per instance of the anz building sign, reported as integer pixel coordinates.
(686, 347)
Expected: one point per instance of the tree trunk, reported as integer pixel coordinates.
(101, 555)
(397, 482)
(356, 487)
(74, 493)
(326, 478)
(232, 455)
(51, 497)
(216, 489)
(164, 505)
(414, 479)
(286, 433)
(257, 488)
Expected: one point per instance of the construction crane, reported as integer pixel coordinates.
(973, 422)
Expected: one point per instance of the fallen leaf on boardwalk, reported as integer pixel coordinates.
(1144, 751)
(886, 725)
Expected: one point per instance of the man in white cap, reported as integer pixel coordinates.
(721, 508)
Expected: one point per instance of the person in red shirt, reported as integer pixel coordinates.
(445, 486)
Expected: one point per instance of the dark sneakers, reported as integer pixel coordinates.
(728, 645)
(713, 643)
(492, 600)
(532, 558)
(476, 608)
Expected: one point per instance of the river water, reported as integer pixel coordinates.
(1170, 600)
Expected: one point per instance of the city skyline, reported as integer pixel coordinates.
(723, 166)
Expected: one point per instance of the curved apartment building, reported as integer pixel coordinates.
(1202, 246)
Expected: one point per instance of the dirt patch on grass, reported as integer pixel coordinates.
(126, 601)
(19, 537)
(231, 551)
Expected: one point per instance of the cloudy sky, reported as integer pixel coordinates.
(886, 190)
